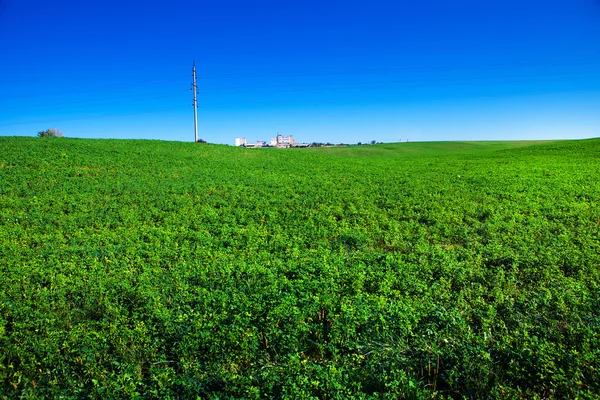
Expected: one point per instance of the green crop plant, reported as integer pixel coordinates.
(414, 270)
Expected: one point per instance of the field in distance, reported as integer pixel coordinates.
(408, 270)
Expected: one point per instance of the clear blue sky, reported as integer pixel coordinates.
(330, 71)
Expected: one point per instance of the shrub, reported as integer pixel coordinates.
(52, 132)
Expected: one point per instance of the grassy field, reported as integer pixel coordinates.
(412, 270)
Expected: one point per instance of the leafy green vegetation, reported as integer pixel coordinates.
(172, 270)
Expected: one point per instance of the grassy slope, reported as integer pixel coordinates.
(172, 269)
(419, 149)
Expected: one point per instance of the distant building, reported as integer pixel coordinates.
(282, 141)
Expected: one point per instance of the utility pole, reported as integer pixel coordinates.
(195, 90)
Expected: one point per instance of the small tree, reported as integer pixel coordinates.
(52, 132)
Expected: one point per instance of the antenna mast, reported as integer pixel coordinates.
(195, 90)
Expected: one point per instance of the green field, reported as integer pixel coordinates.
(414, 270)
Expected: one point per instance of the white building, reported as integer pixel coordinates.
(282, 141)
(240, 141)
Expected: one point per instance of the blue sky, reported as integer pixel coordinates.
(327, 71)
